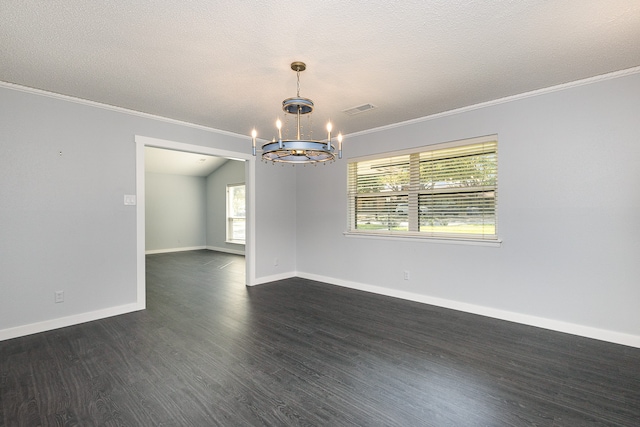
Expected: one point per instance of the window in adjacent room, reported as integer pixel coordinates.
(440, 191)
(236, 217)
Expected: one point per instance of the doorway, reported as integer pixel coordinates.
(141, 143)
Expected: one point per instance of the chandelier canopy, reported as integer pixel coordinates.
(299, 150)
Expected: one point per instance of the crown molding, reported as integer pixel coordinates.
(533, 93)
(122, 110)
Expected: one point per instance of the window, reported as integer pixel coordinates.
(442, 191)
(236, 217)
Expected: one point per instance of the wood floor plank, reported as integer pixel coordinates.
(209, 351)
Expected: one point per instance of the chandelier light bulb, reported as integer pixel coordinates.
(279, 126)
(253, 140)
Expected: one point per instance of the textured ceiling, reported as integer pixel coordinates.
(225, 64)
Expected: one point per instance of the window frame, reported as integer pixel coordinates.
(414, 191)
(232, 219)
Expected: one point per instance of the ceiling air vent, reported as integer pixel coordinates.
(359, 109)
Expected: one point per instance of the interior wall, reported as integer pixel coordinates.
(232, 172)
(567, 215)
(175, 212)
(276, 227)
(65, 166)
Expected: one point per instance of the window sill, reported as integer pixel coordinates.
(235, 242)
(425, 239)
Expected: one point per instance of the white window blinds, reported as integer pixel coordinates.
(448, 191)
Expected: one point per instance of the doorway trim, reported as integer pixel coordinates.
(249, 171)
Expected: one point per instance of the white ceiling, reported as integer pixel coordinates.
(158, 160)
(225, 64)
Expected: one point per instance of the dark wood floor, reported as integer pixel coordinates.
(209, 351)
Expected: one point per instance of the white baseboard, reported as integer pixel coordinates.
(165, 251)
(194, 248)
(554, 325)
(525, 319)
(274, 277)
(226, 250)
(62, 322)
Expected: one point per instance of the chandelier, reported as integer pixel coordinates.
(299, 150)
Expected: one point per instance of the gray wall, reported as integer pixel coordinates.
(568, 210)
(189, 212)
(175, 212)
(65, 167)
(232, 172)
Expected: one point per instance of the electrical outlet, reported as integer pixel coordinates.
(59, 296)
(406, 275)
(275, 262)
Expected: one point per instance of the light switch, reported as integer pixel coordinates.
(129, 199)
